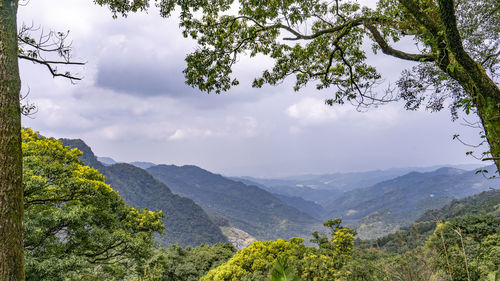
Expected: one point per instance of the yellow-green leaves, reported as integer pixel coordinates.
(75, 224)
(262, 258)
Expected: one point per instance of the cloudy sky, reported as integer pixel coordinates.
(133, 105)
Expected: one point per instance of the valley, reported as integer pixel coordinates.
(374, 203)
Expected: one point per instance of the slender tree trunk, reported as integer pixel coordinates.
(11, 189)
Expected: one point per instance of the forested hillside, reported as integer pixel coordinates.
(410, 237)
(386, 206)
(247, 207)
(185, 222)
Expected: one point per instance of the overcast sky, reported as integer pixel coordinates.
(133, 105)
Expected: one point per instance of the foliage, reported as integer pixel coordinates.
(189, 264)
(256, 261)
(76, 226)
(261, 258)
(185, 222)
(468, 246)
(283, 272)
(321, 42)
(366, 264)
(409, 238)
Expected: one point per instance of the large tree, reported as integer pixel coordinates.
(78, 227)
(323, 42)
(50, 51)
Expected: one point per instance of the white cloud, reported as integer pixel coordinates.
(314, 111)
(178, 135)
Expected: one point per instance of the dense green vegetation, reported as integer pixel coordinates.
(76, 226)
(385, 207)
(246, 207)
(464, 246)
(262, 259)
(188, 264)
(185, 222)
(408, 238)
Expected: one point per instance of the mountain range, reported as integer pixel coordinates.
(486, 202)
(386, 206)
(197, 202)
(247, 207)
(185, 222)
(375, 203)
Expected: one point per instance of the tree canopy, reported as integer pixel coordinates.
(323, 42)
(280, 259)
(76, 226)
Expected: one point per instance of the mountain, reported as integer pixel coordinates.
(290, 189)
(106, 160)
(143, 165)
(412, 236)
(309, 207)
(247, 207)
(185, 222)
(306, 206)
(385, 207)
(322, 187)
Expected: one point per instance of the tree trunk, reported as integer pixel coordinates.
(487, 101)
(11, 188)
(484, 92)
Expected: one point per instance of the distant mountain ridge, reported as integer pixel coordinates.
(185, 222)
(385, 207)
(106, 160)
(142, 164)
(247, 207)
(322, 187)
(412, 236)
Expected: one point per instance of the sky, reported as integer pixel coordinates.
(133, 105)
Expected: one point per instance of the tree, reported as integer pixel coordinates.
(12, 47)
(280, 259)
(189, 264)
(321, 41)
(467, 247)
(11, 189)
(77, 226)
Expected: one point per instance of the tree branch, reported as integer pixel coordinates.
(52, 70)
(452, 35)
(388, 50)
(420, 16)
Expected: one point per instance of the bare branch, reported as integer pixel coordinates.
(52, 70)
(47, 44)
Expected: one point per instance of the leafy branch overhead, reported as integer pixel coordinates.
(456, 52)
